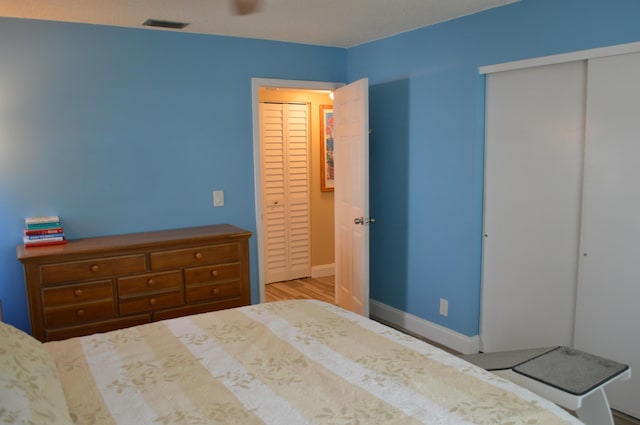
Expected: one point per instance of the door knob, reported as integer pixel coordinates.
(363, 221)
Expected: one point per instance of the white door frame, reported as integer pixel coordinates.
(256, 84)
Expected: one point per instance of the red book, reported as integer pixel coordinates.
(54, 231)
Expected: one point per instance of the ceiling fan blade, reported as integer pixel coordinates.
(245, 7)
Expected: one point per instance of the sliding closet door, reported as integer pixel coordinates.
(607, 314)
(533, 174)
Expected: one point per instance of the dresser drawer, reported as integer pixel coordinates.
(213, 291)
(75, 294)
(150, 302)
(79, 313)
(214, 273)
(148, 283)
(90, 269)
(195, 256)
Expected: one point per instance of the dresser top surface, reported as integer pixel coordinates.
(142, 240)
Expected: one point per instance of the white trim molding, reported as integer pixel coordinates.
(323, 270)
(619, 49)
(429, 330)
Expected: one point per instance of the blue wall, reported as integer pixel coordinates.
(431, 173)
(125, 130)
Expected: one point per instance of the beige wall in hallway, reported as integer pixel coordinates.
(322, 234)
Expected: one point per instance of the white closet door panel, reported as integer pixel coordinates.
(607, 313)
(299, 211)
(533, 174)
(274, 192)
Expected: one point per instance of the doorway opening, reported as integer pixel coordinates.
(271, 90)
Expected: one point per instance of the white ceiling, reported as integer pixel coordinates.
(339, 23)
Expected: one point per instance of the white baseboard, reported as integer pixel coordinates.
(432, 331)
(323, 270)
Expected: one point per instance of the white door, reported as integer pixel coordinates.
(285, 191)
(351, 196)
(607, 314)
(533, 173)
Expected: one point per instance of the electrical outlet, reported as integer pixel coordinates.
(444, 307)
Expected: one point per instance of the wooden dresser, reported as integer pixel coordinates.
(111, 282)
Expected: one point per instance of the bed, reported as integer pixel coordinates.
(288, 362)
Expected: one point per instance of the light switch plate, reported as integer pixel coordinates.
(444, 307)
(218, 198)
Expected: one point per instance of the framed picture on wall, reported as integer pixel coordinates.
(326, 146)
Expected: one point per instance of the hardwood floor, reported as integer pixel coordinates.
(321, 288)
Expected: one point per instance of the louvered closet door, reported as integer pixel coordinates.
(285, 190)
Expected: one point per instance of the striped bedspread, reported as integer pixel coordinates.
(291, 362)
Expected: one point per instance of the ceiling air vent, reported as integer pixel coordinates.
(164, 24)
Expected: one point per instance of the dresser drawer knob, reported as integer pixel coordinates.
(80, 313)
(214, 273)
(94, 268)
(152, 301)
(151, 282)
(198, 256)
(77, 292)
(215, 291)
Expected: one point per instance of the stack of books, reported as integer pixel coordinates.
(43, 231)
